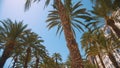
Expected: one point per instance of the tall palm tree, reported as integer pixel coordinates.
(9, 34)
(63, 17)
(66, 17)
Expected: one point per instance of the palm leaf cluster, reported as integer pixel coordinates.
(99, 5)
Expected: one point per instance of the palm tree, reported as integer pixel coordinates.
(99, 42)
(66, 17)
(9, 34)
(31, 49)
(91, 48)
(104, 9)
(67, 13)
(57, 57)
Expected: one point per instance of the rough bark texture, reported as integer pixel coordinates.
(114, 62)
(71, 42)
(6, 53)
(111, 23)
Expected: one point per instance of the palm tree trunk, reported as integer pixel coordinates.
(6, 54)
(27, 57)
(111, 23)
(37, 61)
(3, 59)
(114, 62)
(56, 62)
(96, 62)
(101, 61)
(71, 42)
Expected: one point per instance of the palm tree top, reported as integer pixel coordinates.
(75, 13)
(57, 56)
(12, 29)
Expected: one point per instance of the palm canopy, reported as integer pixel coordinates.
(105, 7)
(10, 31)
(101, 11)
(75, 13)
(104, 13)
(88, 40)
(102, 8)
(30, 40)
(57, 57)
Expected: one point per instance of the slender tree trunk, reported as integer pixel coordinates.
(56, 62)
(37, 62)
(96, 62)
(27, 57)
(6, 54)
(71, 42)
(111, 23)
(101, 61)
(4, 57)
(113, 60)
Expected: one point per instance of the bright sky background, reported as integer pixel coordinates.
(35, 18)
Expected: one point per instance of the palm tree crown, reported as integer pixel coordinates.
(75, 14)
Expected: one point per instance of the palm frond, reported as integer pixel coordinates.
(52, 24)
(29, 2)
(81, 11)
(77, 5)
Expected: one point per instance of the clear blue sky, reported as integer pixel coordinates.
(35, 18)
